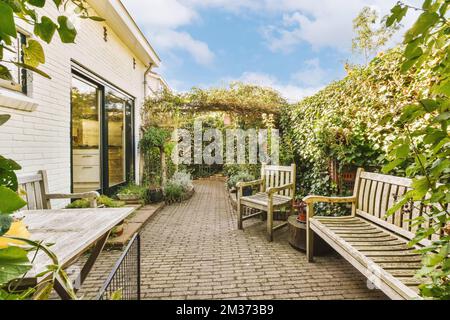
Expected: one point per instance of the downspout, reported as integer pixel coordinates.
(141, 131)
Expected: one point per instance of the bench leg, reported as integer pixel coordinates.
(270, 224)
(239, 214)
(309, 244)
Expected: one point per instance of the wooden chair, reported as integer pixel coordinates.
(277, 191)
(374, 244)
(37, 195)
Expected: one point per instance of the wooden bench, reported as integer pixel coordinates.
(37, 196)
(374, 244)
(277, 191)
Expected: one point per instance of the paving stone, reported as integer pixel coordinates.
(193, 250)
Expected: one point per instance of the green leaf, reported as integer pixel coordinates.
(45, 29)
(8, 179)
(5, 74)
(413, 50)
(57, 3)
(398, 13)
(10, 201)
(420, 188)
(392, 165)
(442, 117)
(95, 18)
(411, 112)
(34, 69)
(4, 118)
(5, 224)
(402, 151)
(37, 3)
(425, 21)
(440, 166)
(443, 88)
(9, 164)
(397, 206)
(66, 30)
(13, 264)
(34, 54)
(429, 105)
(7, 24)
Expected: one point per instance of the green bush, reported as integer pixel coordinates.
(101, 201)
(239, 177)
(178, 186)
(346, 120)
(173, 192)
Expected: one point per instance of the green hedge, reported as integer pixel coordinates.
(345, 121)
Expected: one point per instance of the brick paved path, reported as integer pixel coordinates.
(193, 250)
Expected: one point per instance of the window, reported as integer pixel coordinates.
(19, 75)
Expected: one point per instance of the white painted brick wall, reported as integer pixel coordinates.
(41, 139)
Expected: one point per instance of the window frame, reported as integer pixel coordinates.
(22, 73)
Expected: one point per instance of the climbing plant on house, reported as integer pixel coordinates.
(424, 141)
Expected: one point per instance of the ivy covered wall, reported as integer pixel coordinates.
(348, 120)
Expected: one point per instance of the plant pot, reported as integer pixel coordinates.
(117, 231)
(155, 195)
(300, 207)
(128, 197)
(302, 217)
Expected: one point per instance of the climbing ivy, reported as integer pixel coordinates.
(347, 121)
(423, 144)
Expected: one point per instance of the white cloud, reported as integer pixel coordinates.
(160, 20)
(322, 24)
(161, 14)
(312, 74)
(170, 39)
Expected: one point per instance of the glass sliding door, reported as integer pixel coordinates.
(102, 136)
(115, 115)
(86, 165)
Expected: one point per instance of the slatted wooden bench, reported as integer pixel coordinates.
(277, 191)
(36, 192)
(374, 244)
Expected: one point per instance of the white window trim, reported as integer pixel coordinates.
(17, 100)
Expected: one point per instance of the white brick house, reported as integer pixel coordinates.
(82, 126)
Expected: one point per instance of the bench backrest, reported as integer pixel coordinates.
(33, 189)
(377, 193)
(277, 176)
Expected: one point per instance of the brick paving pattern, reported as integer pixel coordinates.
(193, 250)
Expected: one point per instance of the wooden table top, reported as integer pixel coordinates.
(70, 231)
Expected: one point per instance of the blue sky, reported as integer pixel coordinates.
(294, 46)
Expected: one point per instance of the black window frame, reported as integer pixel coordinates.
(80, 72)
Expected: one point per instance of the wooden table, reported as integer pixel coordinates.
(72, 232)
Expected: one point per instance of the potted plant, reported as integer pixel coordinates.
(131, 193)
(300, 207)
(155, 193)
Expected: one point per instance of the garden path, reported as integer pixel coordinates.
(193, 250)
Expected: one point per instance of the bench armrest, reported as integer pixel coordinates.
(274, 190)
(249, 184)
(91, 196)
(316, 199)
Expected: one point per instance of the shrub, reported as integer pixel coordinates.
(239, 177)
(177, 187)
(173, 192)
(182, 179)
(101, 201)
